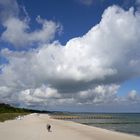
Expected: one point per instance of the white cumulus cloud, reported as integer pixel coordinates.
(8, 8)
(87, 70)
(134, 96)
(17, 30)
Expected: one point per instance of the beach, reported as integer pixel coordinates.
(33, 127)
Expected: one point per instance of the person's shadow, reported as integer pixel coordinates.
(49, 130)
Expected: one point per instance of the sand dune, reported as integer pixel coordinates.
(33, 127)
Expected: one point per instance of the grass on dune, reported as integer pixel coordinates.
(10, 116)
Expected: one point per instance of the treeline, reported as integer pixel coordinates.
(6, 108)
(8, 112)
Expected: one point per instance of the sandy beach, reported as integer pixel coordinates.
(33, 127)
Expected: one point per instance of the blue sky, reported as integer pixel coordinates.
(73, 55)
(77, 18)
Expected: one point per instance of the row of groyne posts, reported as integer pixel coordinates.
(67, 117)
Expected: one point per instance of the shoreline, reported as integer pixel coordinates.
(109, 121)
(33, 127)
(113, 130)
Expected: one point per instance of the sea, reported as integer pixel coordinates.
(122, 122)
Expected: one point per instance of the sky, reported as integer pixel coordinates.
(70, 55)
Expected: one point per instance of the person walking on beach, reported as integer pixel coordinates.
(48, 127)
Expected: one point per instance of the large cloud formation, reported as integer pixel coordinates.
(88, 70)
